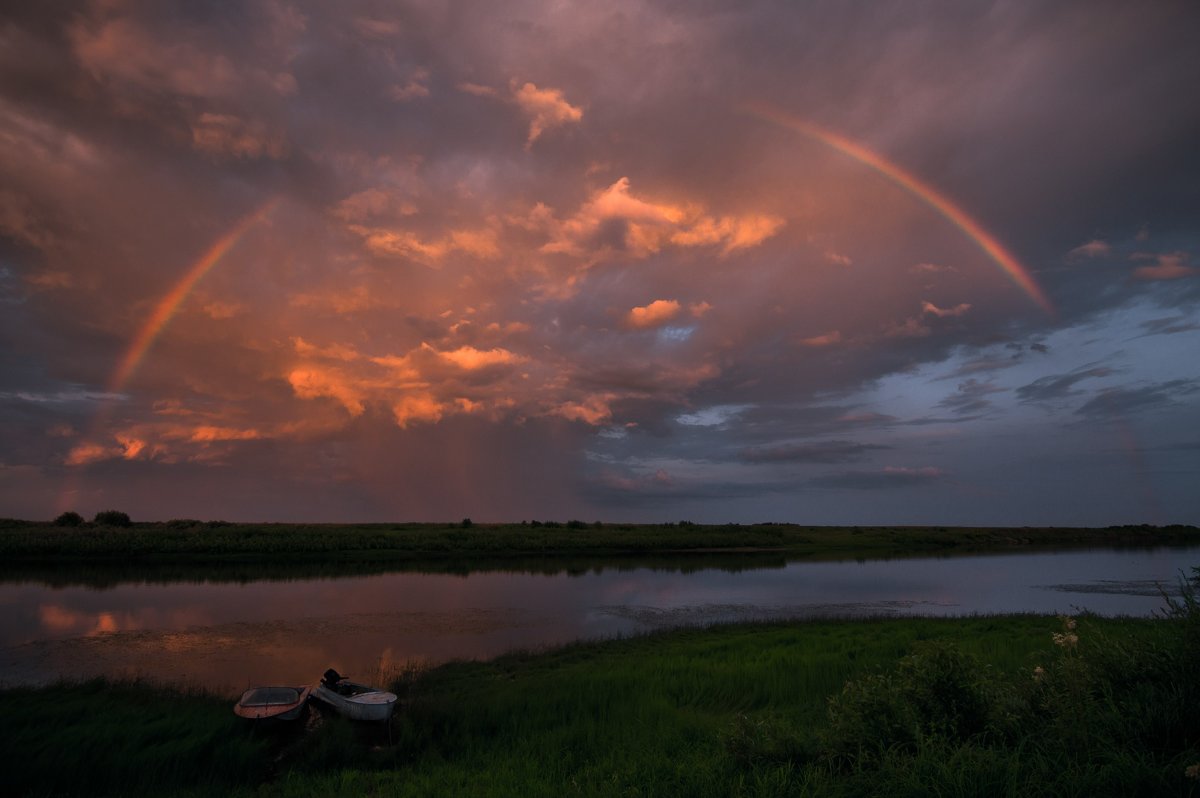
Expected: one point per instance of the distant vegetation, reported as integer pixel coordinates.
(1015, 705)
(112, 535)
(112, 518)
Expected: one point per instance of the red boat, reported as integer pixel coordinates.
(279, 703)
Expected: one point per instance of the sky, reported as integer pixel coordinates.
(814, 262)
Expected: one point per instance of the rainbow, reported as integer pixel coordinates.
(913, 185)
(169, 304)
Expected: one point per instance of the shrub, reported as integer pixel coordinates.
(112, 518)
(576, 524)
(69, 518)
(936, 693)
(466, 523)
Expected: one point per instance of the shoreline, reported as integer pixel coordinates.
(42, 545)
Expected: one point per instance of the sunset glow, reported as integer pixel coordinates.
(953, 213)
(169, 305)
(284, 260)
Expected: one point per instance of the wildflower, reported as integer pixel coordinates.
(1066, 639)
(1039, 673)
(1069, 623)
(1193, 772)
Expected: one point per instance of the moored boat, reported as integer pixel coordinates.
(355, 701)
(278, 703)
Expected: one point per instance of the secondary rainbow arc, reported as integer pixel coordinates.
(939, 202)
(169, 305)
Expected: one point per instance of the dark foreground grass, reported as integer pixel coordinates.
(735, 710)
(110, 738)
(24, 543)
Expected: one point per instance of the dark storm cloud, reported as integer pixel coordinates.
(1060, 386)
(1125, 402)
(887, 479)
(1169, 325)
(659, 490)
(818, 452)
(546, 232)
(971, 397)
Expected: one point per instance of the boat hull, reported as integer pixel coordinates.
(367, 703)
(272, 703)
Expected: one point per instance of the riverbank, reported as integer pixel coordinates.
(981, 706)
(30, 543)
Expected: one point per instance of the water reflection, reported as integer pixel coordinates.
(227, 634)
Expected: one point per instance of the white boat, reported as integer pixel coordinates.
(355, 701)
(278, 703)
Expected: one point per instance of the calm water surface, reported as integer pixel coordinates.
(228, 635)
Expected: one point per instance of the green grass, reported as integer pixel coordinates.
(25, 543)
(733, 710)
(105, 738)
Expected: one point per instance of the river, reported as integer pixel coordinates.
(225, 635)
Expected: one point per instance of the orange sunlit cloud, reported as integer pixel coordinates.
(657, 313)
(409, 257)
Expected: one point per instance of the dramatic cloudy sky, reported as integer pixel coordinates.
(820, 262)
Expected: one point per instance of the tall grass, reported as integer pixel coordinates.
(741, 710)
(645, 716)
(115, 738)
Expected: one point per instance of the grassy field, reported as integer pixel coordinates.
(919, 707)
(28, 543)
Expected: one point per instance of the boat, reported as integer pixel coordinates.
(278, 703)
(355, 701)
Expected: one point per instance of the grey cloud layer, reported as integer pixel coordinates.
(549, 224)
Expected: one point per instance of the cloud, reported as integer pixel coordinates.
(477, 89)
(1170, 325)
(123, 53)
(656, 314)
(613, 221)
(1167, 266)
(942, 313)
(931, 268)
(1122, 402)
(471, 359)
(887, 479)
(971, 397)
(836, 451)
(135, 135)
(414, 89)
(546, 109)
(1092, 249)
(421, 407)
(911, 327)
(312, 382)
(399, 242)
(594, 410)
(825, 339)
(19, 221)
(227, 135)
(1059, 386)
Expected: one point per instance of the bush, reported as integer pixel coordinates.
(936, 693)
(466, 523)
(69, 518)
(112, 518)
(576, 524)
(1101, 714)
